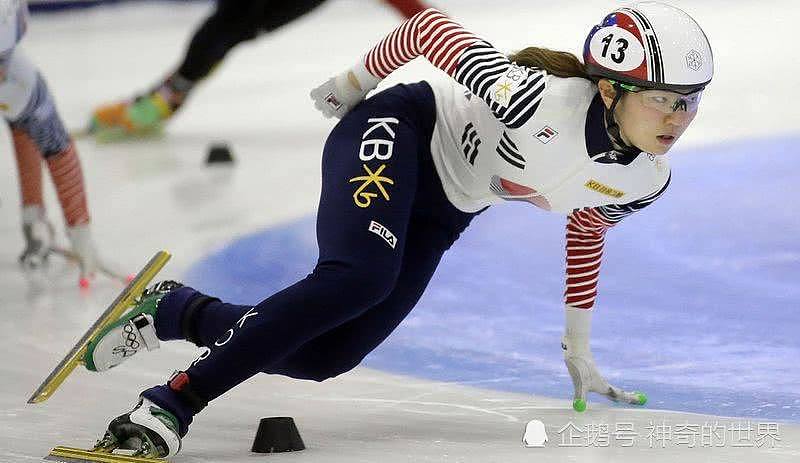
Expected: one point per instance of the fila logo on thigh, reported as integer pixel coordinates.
(383, 232)
(373, 183)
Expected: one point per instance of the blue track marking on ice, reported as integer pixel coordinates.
(698, 302)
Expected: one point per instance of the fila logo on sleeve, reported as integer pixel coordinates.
(383, 232)
(546, 134)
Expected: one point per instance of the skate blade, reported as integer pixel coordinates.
(72, 455)
(113, 312)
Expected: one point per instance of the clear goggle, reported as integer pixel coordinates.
(664, 101)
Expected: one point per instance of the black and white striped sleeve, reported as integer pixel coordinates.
(512, 92)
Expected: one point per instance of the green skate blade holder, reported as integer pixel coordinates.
(123, 301)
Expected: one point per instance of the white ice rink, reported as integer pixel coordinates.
(158, 194)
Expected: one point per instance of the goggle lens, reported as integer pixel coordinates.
(664, 101)
(668, 102)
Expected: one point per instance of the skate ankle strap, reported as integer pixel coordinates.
(147, 331)
(180, 384)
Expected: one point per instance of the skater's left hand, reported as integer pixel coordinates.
(586, 378)
(327, 101)
(339, 94)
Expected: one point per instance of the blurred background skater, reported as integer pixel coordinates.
(39, 137)
(231, 23)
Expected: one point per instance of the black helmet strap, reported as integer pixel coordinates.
(613, 128)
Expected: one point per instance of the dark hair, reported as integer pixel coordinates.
(557, 63)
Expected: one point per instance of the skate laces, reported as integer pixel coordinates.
(162, 287)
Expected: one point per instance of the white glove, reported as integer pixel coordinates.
(38, 233)
(84, 250)
(339, 94)
(580, 363)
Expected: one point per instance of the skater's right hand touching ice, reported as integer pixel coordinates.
(586, 378)
(580, 363)
(339, 94)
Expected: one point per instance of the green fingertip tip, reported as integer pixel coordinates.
(642, 398)
(579, 405)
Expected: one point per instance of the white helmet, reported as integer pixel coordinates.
(650, 45)
(13, 23)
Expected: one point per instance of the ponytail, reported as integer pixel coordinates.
(557, 63)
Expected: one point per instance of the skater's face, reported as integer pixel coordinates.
(651, 120)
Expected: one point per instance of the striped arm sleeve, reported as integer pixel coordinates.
(512, 92)
(586, 231)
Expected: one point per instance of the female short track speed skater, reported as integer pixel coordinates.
(231, 23)
(39, 137)
(403, 174)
